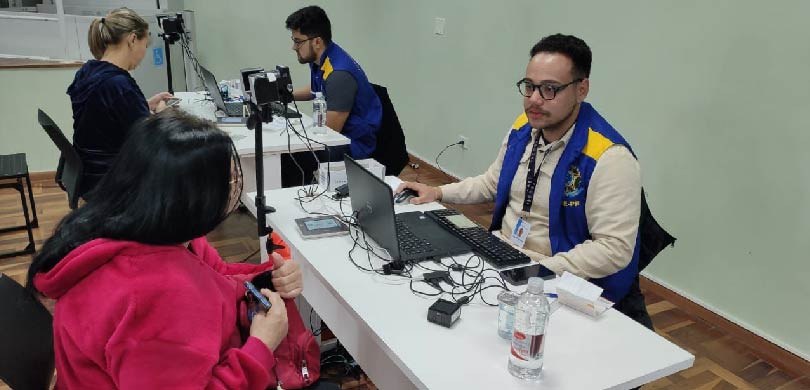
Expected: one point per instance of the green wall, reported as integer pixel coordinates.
(712, 95)
(22, 91)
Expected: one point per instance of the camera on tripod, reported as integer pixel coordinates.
(264, 87)
(172, 26)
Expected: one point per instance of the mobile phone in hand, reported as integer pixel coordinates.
(257, 296)
(171, 102)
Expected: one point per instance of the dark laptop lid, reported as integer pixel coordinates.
(373, 204)
(213, 88)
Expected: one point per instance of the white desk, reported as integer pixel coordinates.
(274, 139)
(384, 326)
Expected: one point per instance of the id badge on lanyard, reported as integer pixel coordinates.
(520, 232)
(522, 228)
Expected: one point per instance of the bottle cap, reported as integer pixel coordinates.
(535, 285)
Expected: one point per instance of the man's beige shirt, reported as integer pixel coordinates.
(612, 207)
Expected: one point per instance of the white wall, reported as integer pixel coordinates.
(23, 90)
(712, 95)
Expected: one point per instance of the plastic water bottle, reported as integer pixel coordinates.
(319, 114)
(531, 318)
(506, 314)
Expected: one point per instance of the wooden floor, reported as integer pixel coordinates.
(722, 361)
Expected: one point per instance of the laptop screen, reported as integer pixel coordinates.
(213, 88)
(373, 204)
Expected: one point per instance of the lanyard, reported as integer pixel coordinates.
(533, 175)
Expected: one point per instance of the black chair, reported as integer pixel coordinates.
(13, 171)
(390, 150)
(26, 337)
(70, 169)
(653, 238)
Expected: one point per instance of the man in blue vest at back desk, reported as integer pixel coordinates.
(353, 107)
(566, 185)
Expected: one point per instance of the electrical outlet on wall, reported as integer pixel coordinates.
(438, 26)
(464, 141)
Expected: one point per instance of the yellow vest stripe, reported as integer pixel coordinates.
(326, 68)
(597, 144)
(521, 120)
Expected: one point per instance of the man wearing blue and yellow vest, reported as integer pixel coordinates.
(566, 185)
(353, 107)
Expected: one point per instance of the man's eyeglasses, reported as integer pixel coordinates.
(298, 42)
(547, 91)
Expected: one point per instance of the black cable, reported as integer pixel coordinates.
(309, 191)
(445, 148)
(184, 43)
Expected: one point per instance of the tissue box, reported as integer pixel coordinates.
(337, 172)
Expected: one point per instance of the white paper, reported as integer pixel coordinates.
(582, 295)
(579, 287)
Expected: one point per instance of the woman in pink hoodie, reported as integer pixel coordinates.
(142, 300)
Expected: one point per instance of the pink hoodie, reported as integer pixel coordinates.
(136, 316)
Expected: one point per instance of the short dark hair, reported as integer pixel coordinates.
(570, 46)
(170, 183)
(312, 22)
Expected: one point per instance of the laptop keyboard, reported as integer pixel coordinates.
(409, 243)
(233, 108)
(492, 249)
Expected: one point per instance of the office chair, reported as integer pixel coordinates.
(26, 337)
(652, 237)
(70, 168)
(390, 150)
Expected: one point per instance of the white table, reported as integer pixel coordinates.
(275, 141)
(383, 325)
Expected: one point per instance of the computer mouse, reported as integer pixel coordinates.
(405, 195)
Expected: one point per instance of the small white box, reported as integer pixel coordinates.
(582, 295)
(337, 171)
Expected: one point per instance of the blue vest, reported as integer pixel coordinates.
(568, 225)
(364, 119)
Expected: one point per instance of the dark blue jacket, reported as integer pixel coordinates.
(567, 222)
(364, 120)
(106, 103)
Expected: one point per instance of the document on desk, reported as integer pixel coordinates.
(582, 295)
(279, 123)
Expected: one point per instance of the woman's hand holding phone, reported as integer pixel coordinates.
(270, 326)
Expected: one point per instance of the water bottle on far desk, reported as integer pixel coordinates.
(319, 114)
(528, 338)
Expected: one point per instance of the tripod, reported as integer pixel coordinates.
(172, 26)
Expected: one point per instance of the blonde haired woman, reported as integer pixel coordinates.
(106, 99)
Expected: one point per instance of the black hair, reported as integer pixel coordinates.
(312, 22)
(570, 46)
(172, 181)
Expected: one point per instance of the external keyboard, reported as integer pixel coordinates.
(409, 243)
(492, 249)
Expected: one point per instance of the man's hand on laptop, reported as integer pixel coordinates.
(426, 193)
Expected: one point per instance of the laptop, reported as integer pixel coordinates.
(234, 110)
(410, 236)
(230, 108)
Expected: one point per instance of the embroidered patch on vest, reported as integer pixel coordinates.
(573, 182)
